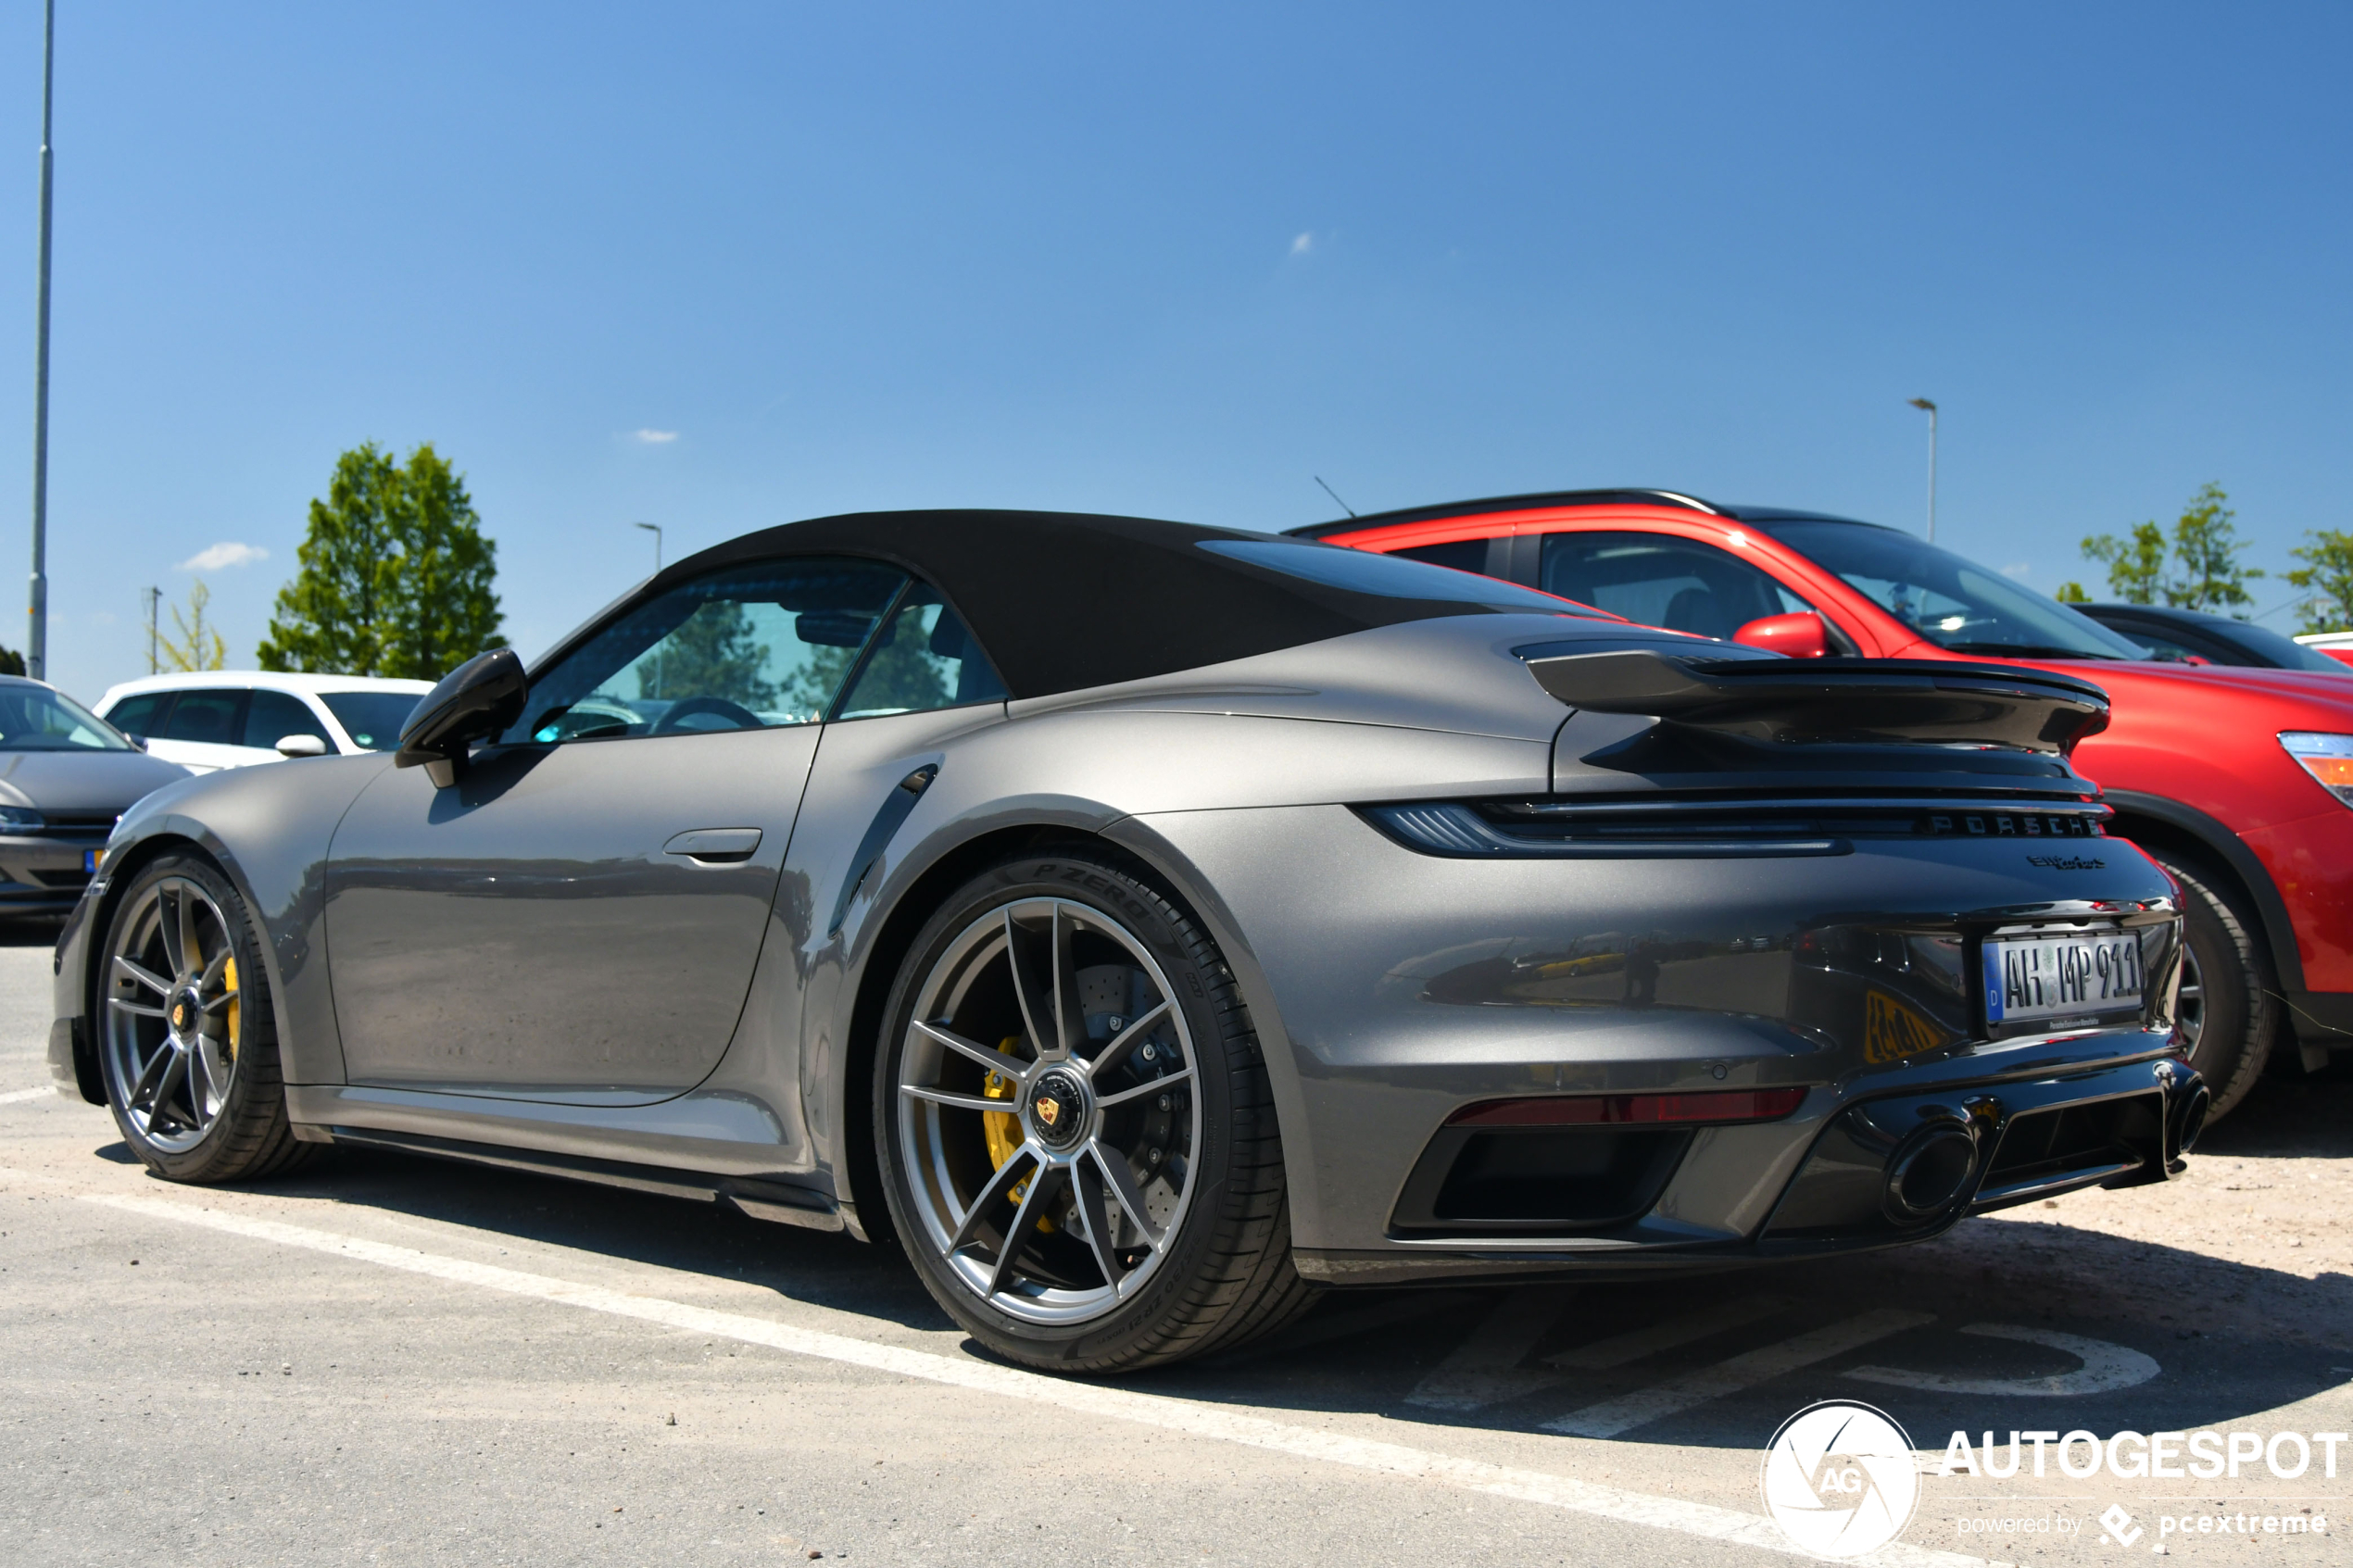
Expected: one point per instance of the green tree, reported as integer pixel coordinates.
(2327, 573)
(395, 575)
(198, 647)
(712, 653)
(2205, 547)
(2206, 543)
(2135, 565)
(2073, 593)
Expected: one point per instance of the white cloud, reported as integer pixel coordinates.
(654, 437)
(1302, 245)
(226, 554)
(2018, 570)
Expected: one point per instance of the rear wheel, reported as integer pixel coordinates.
(188, 1041)
(2227, 1010)
(1078, 1140)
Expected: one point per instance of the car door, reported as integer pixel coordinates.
(578, 915)
(1663, 580)
(271, 717)
(203, 729)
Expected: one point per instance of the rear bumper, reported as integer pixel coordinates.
(2122, 1125)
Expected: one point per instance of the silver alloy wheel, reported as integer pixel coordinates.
(172, 1014)
(1060, 1211)
(2189, 998)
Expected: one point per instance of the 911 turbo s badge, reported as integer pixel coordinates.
(2068, 862)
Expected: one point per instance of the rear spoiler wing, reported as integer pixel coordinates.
(1867, 701)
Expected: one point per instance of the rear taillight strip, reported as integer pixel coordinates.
(1587, 1110)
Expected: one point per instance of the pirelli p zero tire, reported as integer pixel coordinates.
(187, 1038)
(2227, 1010)
(1077, 1137)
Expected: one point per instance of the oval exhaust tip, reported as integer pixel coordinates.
(2189, 1121)
(1929, 1172)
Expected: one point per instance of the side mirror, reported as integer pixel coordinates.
(474, 701)
(1800, 636)
(301, 745)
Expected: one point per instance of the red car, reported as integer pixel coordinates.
(2239, 781)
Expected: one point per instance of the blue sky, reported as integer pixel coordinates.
(723, 266)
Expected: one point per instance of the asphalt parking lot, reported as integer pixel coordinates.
(397, 1361)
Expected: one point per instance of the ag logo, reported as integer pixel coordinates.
(1840, 1479)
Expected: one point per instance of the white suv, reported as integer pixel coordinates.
(231, 718)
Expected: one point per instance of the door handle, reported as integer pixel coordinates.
(714, 847)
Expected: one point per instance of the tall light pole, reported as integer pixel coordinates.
(654, 529)
(36, 653)
(1924, 403)
(155, 598)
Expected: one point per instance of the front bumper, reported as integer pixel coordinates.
(42, 875)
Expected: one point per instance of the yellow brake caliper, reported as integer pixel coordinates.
(1002, 1129)
(229, 983)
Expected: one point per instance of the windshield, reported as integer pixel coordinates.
(1363, 572)
(1954, 603)
(2282, 650)
(371, 719)
(36, 718)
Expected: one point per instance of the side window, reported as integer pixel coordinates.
(2169, 644)
(923, 660)
(137, 715)
(212, 715)
(272, 716)
(744, 647)
(1659, 579)
(1463, 555)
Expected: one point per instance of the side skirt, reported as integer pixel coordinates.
(777, 1201)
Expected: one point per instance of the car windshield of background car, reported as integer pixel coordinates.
(1952, 602)
(1363, 572)
(2279, 649)
(744, 647)
(372, 719)
(35, 719)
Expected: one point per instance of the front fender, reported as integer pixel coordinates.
(268, 828)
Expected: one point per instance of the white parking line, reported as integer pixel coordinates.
(1220, 1424)
(2105, 1367)
(1660, 1401)
(1620, 1348)
(15, 1096)
(1484, 1369)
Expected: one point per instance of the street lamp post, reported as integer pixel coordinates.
(1924, 403)
(36, 652)
(654, 529)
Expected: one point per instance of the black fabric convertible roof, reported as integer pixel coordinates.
(1063, 601)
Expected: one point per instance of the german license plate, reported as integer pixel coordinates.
(2058, 976)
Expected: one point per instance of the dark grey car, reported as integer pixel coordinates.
(66, 776)
(1148, 923)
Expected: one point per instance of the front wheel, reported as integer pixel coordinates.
(188, 1040)
(1077, 1138)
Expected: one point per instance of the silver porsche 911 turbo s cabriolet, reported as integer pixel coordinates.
(1146, 924)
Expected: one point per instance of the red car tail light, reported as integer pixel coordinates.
(1578, 1111)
